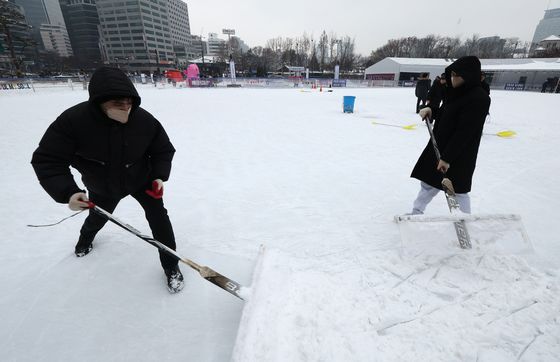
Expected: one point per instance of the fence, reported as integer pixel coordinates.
(79, 83)
(34, 84)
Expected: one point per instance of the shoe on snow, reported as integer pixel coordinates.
(81, 251)
(175, 281)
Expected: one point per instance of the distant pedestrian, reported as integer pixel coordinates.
(545, 86)
(436, 95)
(483, 83)
(421, 91)
(457, 132)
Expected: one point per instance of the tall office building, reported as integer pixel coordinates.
(141, 34)
(549, 25)
(82, 24)
(185, 45)
(179, 25)
(17, 51)
(215, 46)
(49, 28)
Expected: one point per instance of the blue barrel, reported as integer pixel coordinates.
(348, 104)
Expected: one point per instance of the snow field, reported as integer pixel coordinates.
(319, 189)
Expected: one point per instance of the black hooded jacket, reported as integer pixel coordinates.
(114, 159)
(458, 129)
(422, 88)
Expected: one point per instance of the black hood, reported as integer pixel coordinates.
(468, 68)
(109, 82)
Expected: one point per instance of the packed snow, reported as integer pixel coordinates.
(282, 192)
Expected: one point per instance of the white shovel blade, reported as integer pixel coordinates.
(490, 234)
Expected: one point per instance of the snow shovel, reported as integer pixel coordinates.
(474, 233)
(491, 234)
(212, 276)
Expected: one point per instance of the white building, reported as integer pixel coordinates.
(525, 73)
(549, 25)
(55, 38)
(548, 44)
(404, 71)
(215, 46)
(145, 35)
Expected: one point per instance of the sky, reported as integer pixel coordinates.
(371, 23)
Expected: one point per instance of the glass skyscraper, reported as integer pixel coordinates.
(49, 28)
(82, 23)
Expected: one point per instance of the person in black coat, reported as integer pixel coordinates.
(436, 95)
(421, 91)
(483, 83)
(457, 132)
(119, 149)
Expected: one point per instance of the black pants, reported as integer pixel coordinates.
(156, 214)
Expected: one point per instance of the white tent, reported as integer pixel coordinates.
(526, 73)
(404, 71)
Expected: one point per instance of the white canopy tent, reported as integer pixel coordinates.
(525, 73)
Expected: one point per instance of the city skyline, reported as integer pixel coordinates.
(374, 24)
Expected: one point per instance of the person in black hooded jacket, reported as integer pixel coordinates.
(436, 95)
(119, 149)
(421, 90)
(457, 131)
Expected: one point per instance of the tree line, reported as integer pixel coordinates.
(434, 46)
(317, 55)
(328, 50)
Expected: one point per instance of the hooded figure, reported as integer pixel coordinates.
(119, 149)
(436, 95)
(421, 90)
(457, 132)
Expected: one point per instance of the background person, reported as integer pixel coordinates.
(421, 91)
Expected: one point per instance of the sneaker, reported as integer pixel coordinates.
(175, 281)
(81, 251)
(83, 246)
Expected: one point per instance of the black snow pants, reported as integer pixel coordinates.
(156, 214)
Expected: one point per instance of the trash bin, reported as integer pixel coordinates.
(348, 104)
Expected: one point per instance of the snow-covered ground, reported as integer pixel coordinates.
(285, 169)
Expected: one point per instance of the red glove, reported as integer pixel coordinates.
(157, 189)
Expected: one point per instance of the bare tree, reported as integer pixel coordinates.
(322, 50)
(347, 53)
(333, 41)
(470, 47)
(446, 47)
(426, 46)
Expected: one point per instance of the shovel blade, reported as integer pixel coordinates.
(494, 234)
(221, 281)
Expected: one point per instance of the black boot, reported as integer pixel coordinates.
(83, 247)
(175, 281)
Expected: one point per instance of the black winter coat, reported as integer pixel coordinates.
(485, 86)
(458, 129)
(114, 159)
(422, 88)
(437, 93)
(436, 96)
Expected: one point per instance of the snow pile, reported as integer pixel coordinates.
(371, 305)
